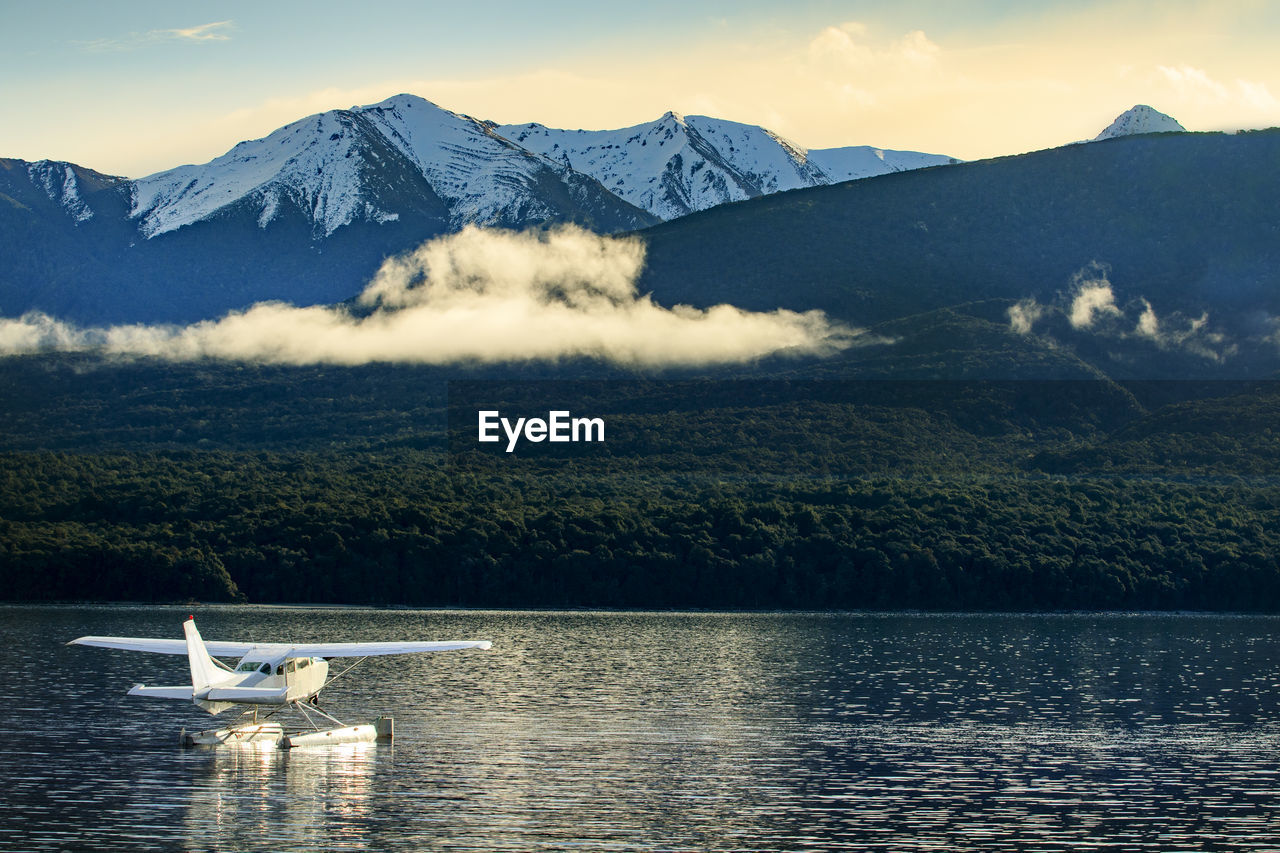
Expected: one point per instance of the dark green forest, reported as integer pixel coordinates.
(169, 483)
(397, 529)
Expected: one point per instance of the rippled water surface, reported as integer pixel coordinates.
(626, 731)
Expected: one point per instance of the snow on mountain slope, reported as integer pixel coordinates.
(664, 167)
(677, 164)
(379, 162)
(484, 177)
(315, 163)
(863, 161)
(58, 180)
(334, 168)
(67, 184)
(1140, 119)
(770, 162)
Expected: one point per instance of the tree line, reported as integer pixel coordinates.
(411, 528)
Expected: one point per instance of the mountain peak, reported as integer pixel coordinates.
(677, 164)
(351, 166)
(1140, 119)
(403, 100)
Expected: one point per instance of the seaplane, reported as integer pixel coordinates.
(269, 678)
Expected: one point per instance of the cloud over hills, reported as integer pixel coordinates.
(480, 296)
(1089, 306)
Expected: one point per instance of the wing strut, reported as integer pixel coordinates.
(334, 678)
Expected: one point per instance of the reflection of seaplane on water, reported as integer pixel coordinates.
(272, 675)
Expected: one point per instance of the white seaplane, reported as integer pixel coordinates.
(277, 676)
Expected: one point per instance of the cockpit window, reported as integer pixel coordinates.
(248, 666)
(265, 669)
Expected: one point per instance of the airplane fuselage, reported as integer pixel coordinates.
(303, 677)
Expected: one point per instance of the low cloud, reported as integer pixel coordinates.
(479, 296)
(1093, 300)
(1023, 315)
(1179, 332)
(1089, 305)
(1148, 323)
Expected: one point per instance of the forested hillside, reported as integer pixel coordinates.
(763, 494)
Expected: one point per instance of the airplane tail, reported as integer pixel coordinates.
(204, 672)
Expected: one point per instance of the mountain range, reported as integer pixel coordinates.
(1170, 235)
(307, 213)
(404, 156)
(682, 164)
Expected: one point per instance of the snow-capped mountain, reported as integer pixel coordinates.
(316, 166)
(862, 161)
(363, 164)
(484, 177)
(407, 157)
(307, 213)
(675, 165)
(680, 164)
(1140, 119)
(61, 183)
(65, 186)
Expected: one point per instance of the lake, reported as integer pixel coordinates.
(665, 731)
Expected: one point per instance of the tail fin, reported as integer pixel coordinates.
(203, 671)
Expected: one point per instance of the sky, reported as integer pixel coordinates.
(131, 89)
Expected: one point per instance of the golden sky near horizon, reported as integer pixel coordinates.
(982, 79)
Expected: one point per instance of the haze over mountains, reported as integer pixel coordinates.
(1144, 250)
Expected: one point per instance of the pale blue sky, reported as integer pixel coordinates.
(134, 88)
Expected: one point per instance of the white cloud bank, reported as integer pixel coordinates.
(476, 296)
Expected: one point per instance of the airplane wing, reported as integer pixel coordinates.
(248, 695)
(238, 695)
(273, 650)
(177, 692)
(164, 647)
(360, 650)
